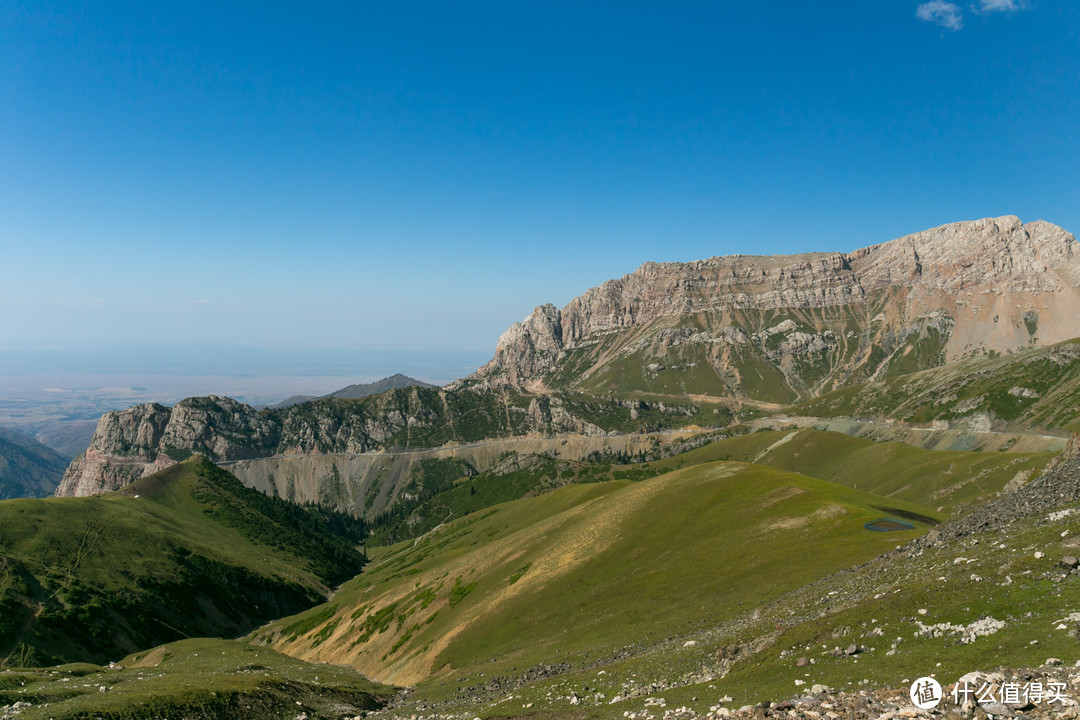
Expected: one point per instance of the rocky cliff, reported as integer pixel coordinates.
(144, 439)
(789, 327)
(139, 441)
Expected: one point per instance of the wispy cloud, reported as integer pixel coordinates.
(998, 5)
(945, 14)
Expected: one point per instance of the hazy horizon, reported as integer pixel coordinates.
(97, 379)
(420, 176)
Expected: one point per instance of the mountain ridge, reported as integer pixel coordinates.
(185, 552)
(147, 438)
(397, 381)
(671, 345)
(812, 320)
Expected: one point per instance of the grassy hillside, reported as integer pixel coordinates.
(201, 679)
(976, 603)
(943, 480)
(983, 601)
(1038, 387)
(719, 580)
(188, 551)
(588, 571)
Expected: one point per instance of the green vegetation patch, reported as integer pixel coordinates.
(1039, 386)
(188, 551)
(686, 547)
(195, 679)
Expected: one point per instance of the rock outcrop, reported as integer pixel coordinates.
(144, 439)
(1057, 486)
(820, 319)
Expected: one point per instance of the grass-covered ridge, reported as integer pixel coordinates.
(186, 552)
(202, 679)
(588, 570)
(945, 480)
(942, 480)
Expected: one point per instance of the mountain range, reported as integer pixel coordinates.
(739, 487)
(359, 390)
(670, 346)
(786, 328)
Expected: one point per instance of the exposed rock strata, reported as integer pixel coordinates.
(988, 285)
(144, 439)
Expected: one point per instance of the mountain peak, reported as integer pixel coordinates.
(997, 283)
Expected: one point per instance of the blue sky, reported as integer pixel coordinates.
(417, 176)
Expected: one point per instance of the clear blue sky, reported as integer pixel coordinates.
(417, 176)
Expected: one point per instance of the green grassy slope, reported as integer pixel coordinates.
(587, 571)
(1039, 387)
(1027, 605)
(188, 551)
(201, 679)
(943, 480)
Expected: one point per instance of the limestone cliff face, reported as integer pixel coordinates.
(144, 439)
(147, 438)
(122, 450)
(220, 428)
(988, 285)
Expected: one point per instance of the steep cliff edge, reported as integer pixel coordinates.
(790, 327)
(144, 439)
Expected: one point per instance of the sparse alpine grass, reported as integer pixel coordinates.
(1037, 387)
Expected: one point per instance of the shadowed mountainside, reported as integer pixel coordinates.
(28, 468)
(186, 552)
(353, 392)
